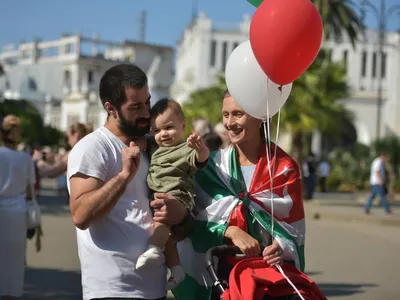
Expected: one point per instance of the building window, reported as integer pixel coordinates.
(67, 79)
(90, 77)
(52, 51)
(374, 65)
(32, 84)
(345, 54)
(213, 53)
(364, 64)
(383, 65)
(224, 54)
(235, 45)
(26, 54)
(69, 48)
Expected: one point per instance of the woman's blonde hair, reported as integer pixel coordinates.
(9, 129)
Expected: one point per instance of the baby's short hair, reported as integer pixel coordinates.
(166, 103)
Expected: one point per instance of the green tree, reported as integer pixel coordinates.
(205, 103)
(314, 104)
(339, 19)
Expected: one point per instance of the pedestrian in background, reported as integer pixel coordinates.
(17, 177)
(324, 169)
(377, 182)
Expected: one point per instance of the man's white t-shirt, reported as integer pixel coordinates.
(377, 166)
(109, 248)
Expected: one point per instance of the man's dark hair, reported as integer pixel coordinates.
(118, 78)
(163, 104)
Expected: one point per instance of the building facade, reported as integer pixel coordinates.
(61, 77)
(205, 46)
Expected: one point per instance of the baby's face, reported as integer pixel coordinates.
(168, 129)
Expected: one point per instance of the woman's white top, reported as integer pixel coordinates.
(16, 172)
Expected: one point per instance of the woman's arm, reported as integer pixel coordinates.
(272, 254)
(54, 170)
(30, 192)
(245, 242)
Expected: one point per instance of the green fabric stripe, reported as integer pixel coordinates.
(206, 235)
(237, 181)
(265, 219)
(189, 289)
(208, 179)
(251, 221)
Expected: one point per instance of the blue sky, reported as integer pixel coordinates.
(118, 20)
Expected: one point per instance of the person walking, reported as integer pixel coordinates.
(17, 177)
(377, 182)
(324, 169)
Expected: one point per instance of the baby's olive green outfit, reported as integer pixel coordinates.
(172, 171)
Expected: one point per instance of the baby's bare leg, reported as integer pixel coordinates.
(171, 254)
(160, 235)
(154, 254)
(174, 264)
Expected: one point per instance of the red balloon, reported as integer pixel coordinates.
(286, 36)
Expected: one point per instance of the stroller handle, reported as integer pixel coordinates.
(218, 252)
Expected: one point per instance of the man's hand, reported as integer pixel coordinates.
(273, 254)
(168, 210)
(245, 242)
(141, 142)
(195, 142)
(130, 161)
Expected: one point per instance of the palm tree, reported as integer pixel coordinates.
(314, 104)
(340, 19)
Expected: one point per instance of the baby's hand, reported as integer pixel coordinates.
(195, 142)
(141, 142)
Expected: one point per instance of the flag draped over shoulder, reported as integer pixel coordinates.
(224, 200)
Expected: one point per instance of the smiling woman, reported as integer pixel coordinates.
(243, 190)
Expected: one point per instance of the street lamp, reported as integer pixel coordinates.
(382, 14)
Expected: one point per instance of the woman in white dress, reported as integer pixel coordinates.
(17, 178)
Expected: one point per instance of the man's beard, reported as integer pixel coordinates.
(133, 129)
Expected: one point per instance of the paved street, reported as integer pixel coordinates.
(349, 260)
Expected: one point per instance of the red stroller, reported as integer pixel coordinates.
(254, 279)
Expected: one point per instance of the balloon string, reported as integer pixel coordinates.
(267, 133)
(270, 175)
(277, 132)
(273, 172)
(290, 282)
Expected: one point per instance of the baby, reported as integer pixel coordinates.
(172, 168)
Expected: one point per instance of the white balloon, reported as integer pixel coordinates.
(250, 87)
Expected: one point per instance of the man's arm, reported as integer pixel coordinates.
(378, 169)
(92, 199)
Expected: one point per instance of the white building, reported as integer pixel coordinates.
(205, 47)
(61, 77)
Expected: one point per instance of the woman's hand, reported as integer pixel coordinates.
(245, 242)
(273, 254)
